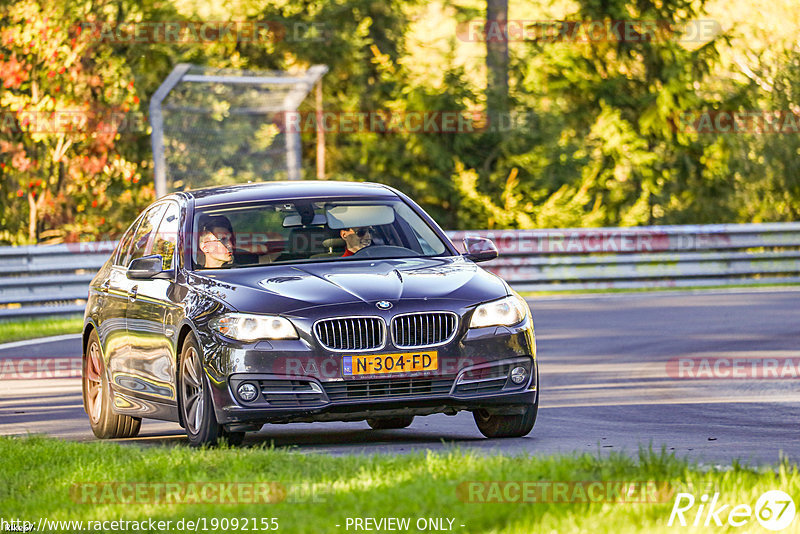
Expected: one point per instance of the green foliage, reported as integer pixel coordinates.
(764, 167)
(594, 140)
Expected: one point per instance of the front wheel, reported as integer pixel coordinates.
(97, 397)
(507, 426)
(196, 408)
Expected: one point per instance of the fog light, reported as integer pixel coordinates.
(247, 392)
(518, 375)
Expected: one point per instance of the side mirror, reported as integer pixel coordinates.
(147, 268)
(479, 248)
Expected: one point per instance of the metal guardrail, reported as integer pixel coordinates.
(645, 257)
(53, 279)
(40, 280)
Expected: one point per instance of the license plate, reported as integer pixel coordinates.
(380, 364)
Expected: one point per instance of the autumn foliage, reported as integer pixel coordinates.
(596, 137)
(64, 95)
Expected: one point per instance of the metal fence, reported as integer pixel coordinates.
(48, 279)
(224, 126)
(645, 257)
(53, 280)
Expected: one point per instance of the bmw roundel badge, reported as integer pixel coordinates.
(383, 304)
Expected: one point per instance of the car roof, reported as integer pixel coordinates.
(286, 190)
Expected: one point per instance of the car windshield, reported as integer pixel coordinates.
(310, 231)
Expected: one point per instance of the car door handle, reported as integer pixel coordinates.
(133, 292)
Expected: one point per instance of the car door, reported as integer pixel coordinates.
(124, 368)
(151, 315)
(113, 301)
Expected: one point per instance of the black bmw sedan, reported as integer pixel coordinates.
(224, 309)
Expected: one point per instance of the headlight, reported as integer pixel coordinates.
(245, 327)
(504, 312)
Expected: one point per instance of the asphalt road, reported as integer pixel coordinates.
(608, 369)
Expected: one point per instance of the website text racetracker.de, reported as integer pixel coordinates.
(599, 240)
(543, 241)
(200, 524)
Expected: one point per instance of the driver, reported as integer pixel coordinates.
(356, 238)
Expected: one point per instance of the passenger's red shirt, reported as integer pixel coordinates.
(347, 253)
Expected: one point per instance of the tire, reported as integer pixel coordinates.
(507, 426)
(194, 400)
(388, 423)
(97, 397)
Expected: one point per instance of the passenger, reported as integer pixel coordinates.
(356, 238)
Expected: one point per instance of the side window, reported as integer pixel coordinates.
(124, 244)
(143, 240)
(167, 236)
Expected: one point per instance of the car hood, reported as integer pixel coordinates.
(291, 288)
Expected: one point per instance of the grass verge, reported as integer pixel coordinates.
(43, 327)
(47, 478)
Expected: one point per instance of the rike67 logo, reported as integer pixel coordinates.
(774, 510)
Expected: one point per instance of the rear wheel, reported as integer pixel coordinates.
(387, 423)
(97, 397)
(197, 410)
(507, 426)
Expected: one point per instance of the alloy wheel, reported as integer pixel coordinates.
(94, 383)
(193, 397)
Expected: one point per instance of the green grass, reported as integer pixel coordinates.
(324, 490)
(35, 328)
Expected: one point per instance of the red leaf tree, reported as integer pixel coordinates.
(67, 101)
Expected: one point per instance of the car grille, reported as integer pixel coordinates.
(290, 393)
(423, 329)
(351, 333)
(386, 388)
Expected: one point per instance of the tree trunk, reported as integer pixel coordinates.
(496, 34)
(320, 134)
(33, 218)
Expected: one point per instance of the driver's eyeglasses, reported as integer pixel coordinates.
(361, 232)
(223, 241)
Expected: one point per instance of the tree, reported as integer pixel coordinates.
(71, 120)
(496, 35)
(613, 155)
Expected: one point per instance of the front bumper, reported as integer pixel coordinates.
(299, 382)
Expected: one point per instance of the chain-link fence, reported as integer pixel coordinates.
(224, 126)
